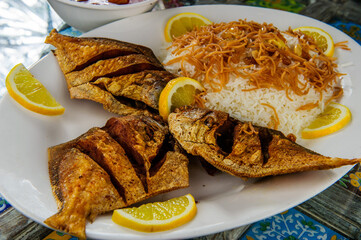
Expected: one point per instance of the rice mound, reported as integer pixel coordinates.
(266, 107)
(249, 105)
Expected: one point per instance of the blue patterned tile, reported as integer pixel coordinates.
(350, 28)
(3, 204)
(290, 225)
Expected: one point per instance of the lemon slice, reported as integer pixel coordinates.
(323, 40)
(30, 93)
(158, 216)
(335, 117)
(177, 93)
(182, 23)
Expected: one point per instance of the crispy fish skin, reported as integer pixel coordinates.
(255, 152)
(110, 103)
(87, 192)
(55, 156)
(111, 67)
(171, 174)
(144, 86)
(104, 150)
(195, 130)
(141, 137)
(74, 53)
(145, 141)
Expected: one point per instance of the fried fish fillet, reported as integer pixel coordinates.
(97, 172)
(85, 191)
(242, 149)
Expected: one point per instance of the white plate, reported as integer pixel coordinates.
(224, 202)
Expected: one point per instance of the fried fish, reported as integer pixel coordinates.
(84, 191)
(128, 160)
(242, 149)
(126, 78)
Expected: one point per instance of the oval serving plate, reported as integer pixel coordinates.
(224, 201)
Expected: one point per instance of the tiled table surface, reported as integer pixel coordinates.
(334, 214)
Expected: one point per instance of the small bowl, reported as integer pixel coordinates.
(86, 16)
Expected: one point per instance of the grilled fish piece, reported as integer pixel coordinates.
(111, 67)
(86, 191)
(98, 171)
(144, 86)
(242, 149)
(75, 53)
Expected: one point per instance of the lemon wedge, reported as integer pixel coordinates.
(182, 23)
(30, 93)
(178, 92)
(158, 216)
(335, 117)
(323, 40)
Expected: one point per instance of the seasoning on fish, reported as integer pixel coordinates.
(242, 149)
(99, 171)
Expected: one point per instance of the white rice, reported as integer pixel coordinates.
(252, 105)
(249, 106)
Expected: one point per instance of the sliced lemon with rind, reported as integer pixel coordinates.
(178, 92)
(335, 117)
(322, 38)
(158, 216)
(183, 22)
(29, 92)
